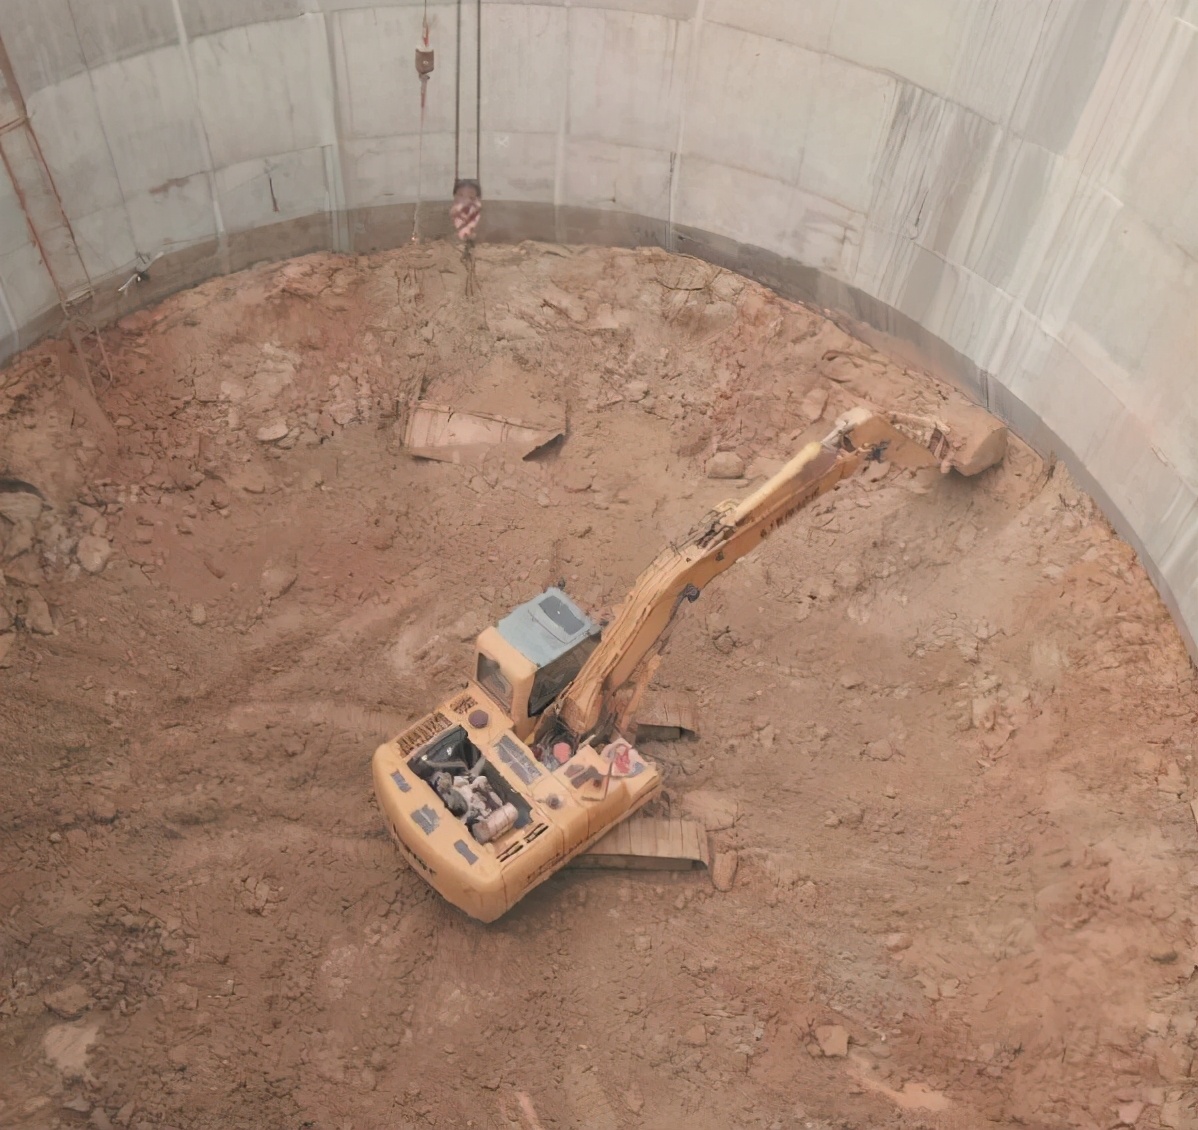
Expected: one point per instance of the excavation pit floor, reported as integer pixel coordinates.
(946, 725)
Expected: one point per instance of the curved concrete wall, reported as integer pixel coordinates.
(1005, 188)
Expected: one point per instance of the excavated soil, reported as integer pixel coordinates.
(946, 724)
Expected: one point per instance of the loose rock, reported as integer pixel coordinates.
(713, 810)
(25, 570)
(198, 615)
(69, 1003)
(93, 553)
(103, 810)
(277, 580)
(576, 480)
(696, 1035)
(1129, 1113)
(984, 713)
(252, 479)
(568, 304)
(1172, 1113)
(37, 614)
(20, 539)
(813, 404)
(725, 465)
(19, 505)
(723, 870)
(272, 432)
(67, 1047)
(833, 1040)
(852, 816)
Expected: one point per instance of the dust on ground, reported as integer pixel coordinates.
(946, 724)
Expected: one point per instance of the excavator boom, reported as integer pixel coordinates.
(732, 530)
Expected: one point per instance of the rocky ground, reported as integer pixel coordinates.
(946, 725)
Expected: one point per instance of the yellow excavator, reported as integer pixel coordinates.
(527, 767)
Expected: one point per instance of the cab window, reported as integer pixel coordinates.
(552, 679)
(491, 678)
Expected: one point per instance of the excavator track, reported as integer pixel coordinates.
(651, 843)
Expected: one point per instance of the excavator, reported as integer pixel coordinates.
(527, 766)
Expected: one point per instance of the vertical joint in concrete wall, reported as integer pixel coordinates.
(336, 198)
(680, 140)
(559, 156)
(334, 168)
(202, 132)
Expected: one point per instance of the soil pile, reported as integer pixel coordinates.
(947, 727)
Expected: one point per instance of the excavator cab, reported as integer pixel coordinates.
(476, 810)
(532, 655)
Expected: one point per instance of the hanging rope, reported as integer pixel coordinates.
(478, 92)
(466, 210)
(424, 68)
(457, 99)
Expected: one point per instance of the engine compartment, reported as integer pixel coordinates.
(469, 786)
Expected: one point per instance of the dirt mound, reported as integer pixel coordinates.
(947, 730)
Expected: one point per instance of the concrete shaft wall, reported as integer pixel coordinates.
(1006, 188)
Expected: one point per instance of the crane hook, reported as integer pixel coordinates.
(467, 208)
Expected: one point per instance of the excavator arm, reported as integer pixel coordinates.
(734, 529)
